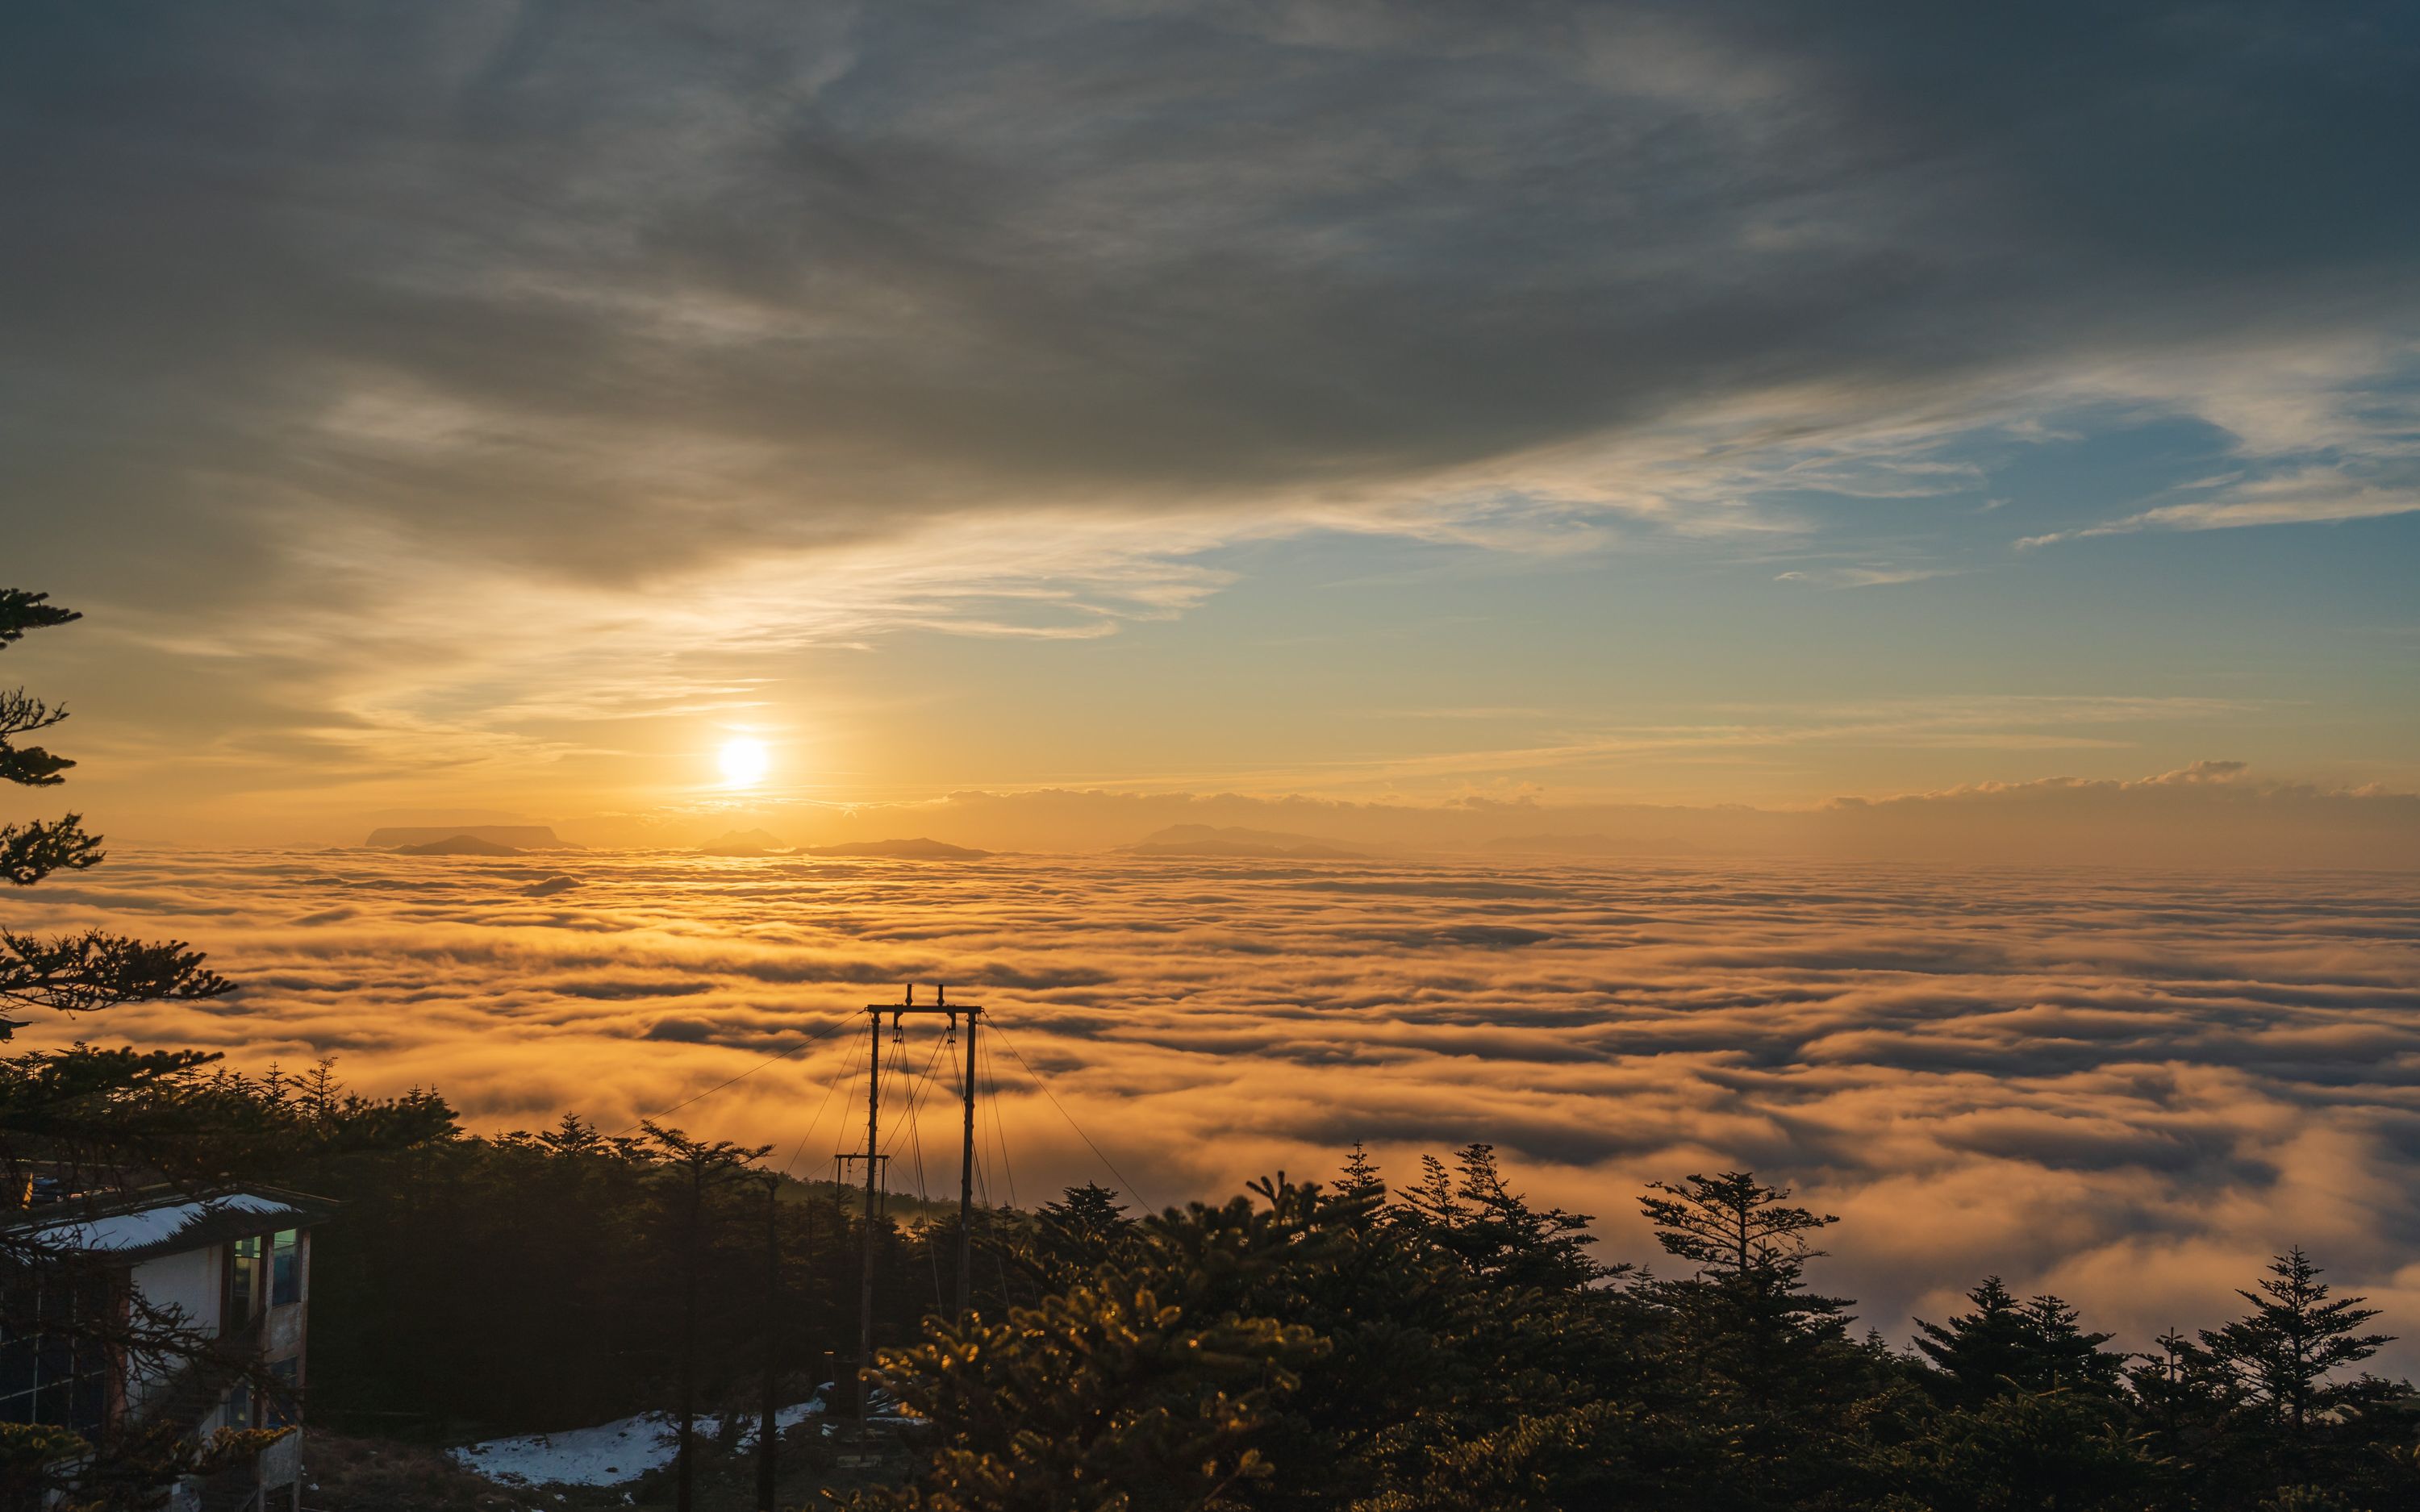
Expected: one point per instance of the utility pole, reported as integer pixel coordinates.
(687, 1479)
(769, 1442)
(967, 1171)
(872, 1164)
(873, 1158)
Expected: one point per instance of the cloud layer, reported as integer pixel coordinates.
(2128, 1087)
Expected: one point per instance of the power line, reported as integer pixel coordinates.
(848, 1068)
(989, 1082)
(990, 1079)
(811, 1040)
(915, 1093)
(917, 1089)
(1065, 1114)
(916, 1148)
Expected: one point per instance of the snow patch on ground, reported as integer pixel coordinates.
(783, 1421)
(611, 1454)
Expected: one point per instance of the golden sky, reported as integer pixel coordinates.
(502, 407)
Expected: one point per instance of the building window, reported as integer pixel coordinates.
(286, 1267)
(244, 1285)
(51, 1372)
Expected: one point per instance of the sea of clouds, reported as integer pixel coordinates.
(2127, 1087)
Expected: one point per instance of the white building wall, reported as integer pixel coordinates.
(188, 1281)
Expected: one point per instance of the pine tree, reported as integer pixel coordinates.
(1431, 1199)
(700, 1166)
(1764, 1358)
(1359, 1176)
(2284, 1350)
(73, 973)
(1495, 1231)
(1735, 1224)
(1086, 1228)
(2007, 1344)
(1143, 1383)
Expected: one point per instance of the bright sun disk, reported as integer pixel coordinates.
(744, 762)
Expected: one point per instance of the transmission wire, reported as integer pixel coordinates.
(990, 1078)
(831, 1088)
(1129, 1186)
(912, 1093)
(718, 1087)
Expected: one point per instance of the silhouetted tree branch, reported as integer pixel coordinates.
(84, 973)
(30, 852)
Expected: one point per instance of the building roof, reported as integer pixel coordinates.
(143, 1224)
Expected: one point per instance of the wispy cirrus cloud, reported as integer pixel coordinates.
(1866, 577)
(2306, 497)
(1569, 751)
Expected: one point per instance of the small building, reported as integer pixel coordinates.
(231, 1265)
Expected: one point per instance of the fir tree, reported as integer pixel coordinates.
(1733, 1225)
(699, 1165)
(1360, 1174)
(1768, 1365)
(2294, 1338)
(1477, 1216)
(73, 972)
(2006, 1345)
(1085, 1227)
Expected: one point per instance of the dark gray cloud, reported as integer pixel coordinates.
(608, 288)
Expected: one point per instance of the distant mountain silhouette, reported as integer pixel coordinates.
(520, 837)
(743, 842)
(1559, 846)
(918, 849)
(1234, 840)
(458, 845)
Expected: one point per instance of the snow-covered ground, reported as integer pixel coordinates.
(611, 1454)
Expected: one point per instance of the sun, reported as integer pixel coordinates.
(744, 762)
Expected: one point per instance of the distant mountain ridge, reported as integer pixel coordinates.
(518, 836)
(1236, 840)
(458, 845)
(918, 849)
(1558, 845)
(744, 843)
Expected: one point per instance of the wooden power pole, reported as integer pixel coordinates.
(769, 1440)
(873, 1165)
(966, 1172)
